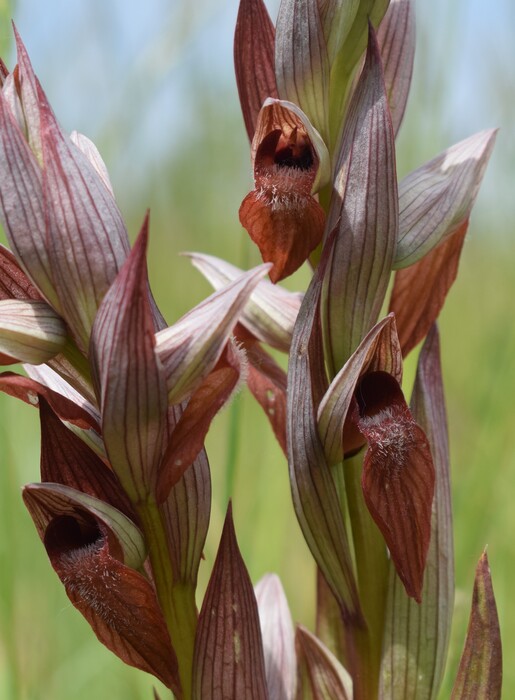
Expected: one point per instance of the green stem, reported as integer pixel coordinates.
(177, 599)
(233, 443)
(372, 570)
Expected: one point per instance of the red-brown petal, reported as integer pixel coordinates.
(188, 437)
(419, 291)
(66, 459)
(398, 476)
(267, 382)
(286, 227)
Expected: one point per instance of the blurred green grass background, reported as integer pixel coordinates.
(192, 169)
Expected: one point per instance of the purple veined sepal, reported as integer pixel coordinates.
(190, 348)
(480, 670)
(271, 310)
(364, 212)
(278, 638)
(30, 331)
(129, 378)
(228, 660)
(321, 674)
(396, 39)
(254, 60)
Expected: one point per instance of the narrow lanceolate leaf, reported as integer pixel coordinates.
(365, 215)
(270, 312)
(419, 291)
(29, 97)
(228, 660)
(313, 489)
(396, 39)
(301, 60)
(130, 379)
(14, 283)
(30, 331)
(21, 203)
(190, 348)
(416, 636)
(254, 60)
(118, 602)
(347, 60)
(86, 236)
(322, 676)
(398, 476)
(480, 670)
(187, 438)
(278, 638)
(436, 199)
(378, 351)
(66, 459)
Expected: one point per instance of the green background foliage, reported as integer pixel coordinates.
(193, 182)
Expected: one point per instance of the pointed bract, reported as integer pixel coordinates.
(347, 59)
(118, 602)
(301, 60)
(436, 199)
(278, 638)
(270, 312)
(130, 379)
(254, 60)
(29, 97)
(86, 237)
(480, 670)
(365, 214)
(313, 488)
(228, 660)
(190, 348)
(396, 39)
(322, 676)
(21, 209)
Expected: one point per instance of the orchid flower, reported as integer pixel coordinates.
(126, 400)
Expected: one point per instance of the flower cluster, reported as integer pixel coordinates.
(125, 400)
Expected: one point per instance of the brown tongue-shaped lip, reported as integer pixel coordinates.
(398, 476)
